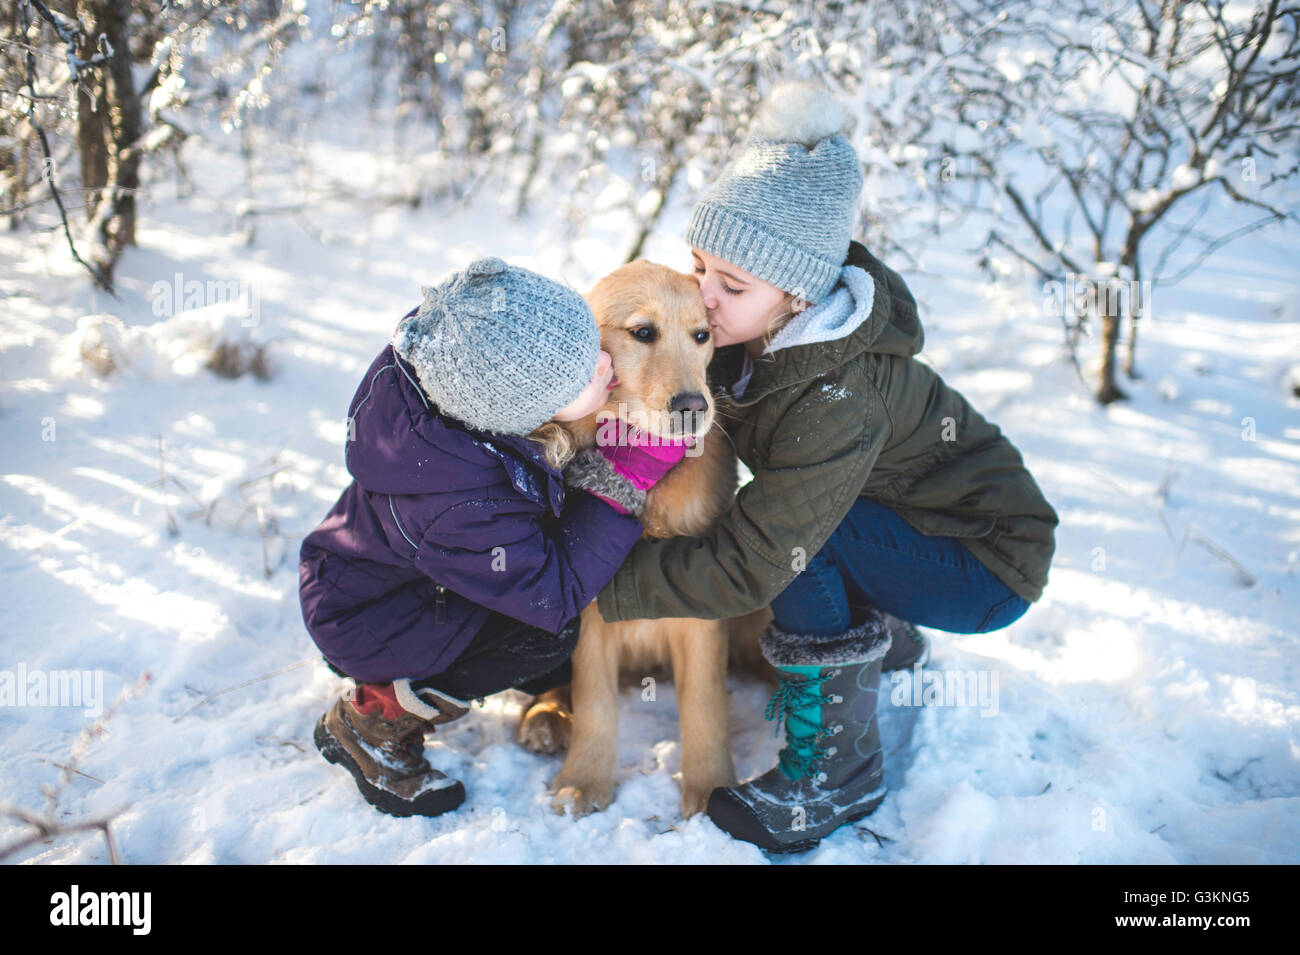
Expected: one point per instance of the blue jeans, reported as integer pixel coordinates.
(875, 558)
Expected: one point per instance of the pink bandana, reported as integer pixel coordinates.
(641, 457)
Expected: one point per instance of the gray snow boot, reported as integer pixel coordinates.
(831, 770)
(907, 648)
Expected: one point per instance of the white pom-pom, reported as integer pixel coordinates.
(799, 113)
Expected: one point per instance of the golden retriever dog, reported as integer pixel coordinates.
(655, 328)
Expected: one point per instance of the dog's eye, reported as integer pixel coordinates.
(643, 334)
(701, 337)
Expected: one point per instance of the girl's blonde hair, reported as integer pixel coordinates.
(788, 311)
(557, 441)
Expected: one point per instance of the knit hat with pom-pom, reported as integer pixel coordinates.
(499, 347)
(785, 208)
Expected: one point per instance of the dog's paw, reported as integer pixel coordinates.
(695, 794)
(694, 800)
(582, 798)
(545, 728)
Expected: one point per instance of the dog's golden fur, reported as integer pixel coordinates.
(651, 373)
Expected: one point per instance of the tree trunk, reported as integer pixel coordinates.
(113, 222)
(1129, 368)
(652, 220)
(92, 116)
(127, 127)
(534, 164)
(1108, 391)
(1138, 305)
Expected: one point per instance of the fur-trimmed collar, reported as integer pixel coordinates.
(837, 315)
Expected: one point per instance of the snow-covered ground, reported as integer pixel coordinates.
(1144, 711)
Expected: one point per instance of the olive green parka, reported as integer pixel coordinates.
(820, 425)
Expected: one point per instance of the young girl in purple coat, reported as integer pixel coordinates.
(455, 565)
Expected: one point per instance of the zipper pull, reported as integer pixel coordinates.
(440, 604)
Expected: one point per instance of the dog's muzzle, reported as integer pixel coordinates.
(687, 412)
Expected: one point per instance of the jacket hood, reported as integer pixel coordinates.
(893, 326)
(870, 309)
(398, 443)
(842, 312)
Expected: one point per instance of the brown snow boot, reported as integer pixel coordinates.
(377, 734)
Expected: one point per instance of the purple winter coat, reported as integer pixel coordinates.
(441, 524)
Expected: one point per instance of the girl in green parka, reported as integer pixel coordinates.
(880, 498)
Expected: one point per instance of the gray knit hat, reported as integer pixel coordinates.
(785, 208)
(499, 347)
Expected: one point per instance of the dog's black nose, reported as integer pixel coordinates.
(691, 402)
(686, 412)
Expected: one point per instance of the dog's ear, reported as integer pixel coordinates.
(619, 294)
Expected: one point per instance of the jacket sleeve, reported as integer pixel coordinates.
(777, 522)
(506, 555)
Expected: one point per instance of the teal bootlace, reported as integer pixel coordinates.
(800, 752)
